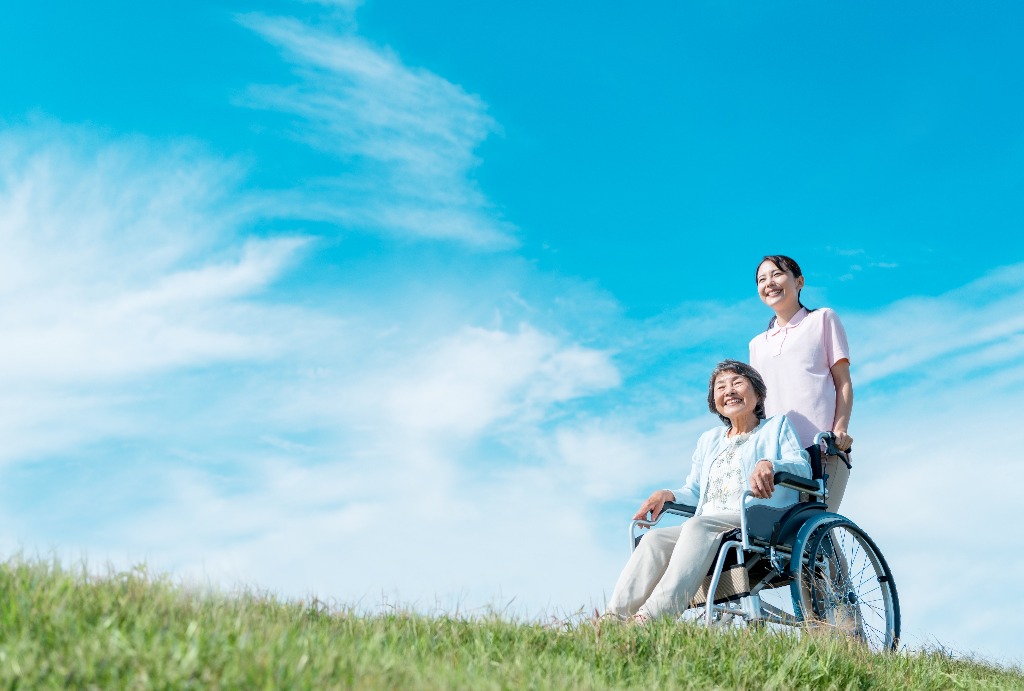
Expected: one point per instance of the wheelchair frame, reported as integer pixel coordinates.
(836, 575)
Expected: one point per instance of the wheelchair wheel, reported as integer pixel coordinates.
(845, 584)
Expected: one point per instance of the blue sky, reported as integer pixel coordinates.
(314, 295)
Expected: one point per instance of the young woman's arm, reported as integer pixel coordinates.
(844, 403)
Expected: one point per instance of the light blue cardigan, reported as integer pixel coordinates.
(774, 439)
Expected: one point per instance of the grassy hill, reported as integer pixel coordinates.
(129, 630)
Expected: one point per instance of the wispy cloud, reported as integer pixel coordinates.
(153, 370)
(466, 382)
(404, 138)
(851, 262)
(406, 462)
(347, 5)
(122, 260)
(963, 331)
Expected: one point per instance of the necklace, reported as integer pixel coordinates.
(733, 447)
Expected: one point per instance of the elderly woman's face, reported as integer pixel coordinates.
(735, 397)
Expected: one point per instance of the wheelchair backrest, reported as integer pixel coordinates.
(817, 462)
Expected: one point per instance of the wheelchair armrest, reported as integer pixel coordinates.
(801, 484)
(679, 509)
(670, 507)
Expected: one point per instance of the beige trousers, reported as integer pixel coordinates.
(668, 566)
(838, 476)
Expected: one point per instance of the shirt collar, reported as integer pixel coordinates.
(794, 322)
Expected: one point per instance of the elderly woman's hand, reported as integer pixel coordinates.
(762, 480)
(651, 509)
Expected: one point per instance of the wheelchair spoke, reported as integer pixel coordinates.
(844, 583)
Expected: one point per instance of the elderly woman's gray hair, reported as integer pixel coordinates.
(744, 370)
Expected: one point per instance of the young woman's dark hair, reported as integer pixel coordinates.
(784, 263)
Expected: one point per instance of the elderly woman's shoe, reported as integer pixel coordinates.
(641, 618)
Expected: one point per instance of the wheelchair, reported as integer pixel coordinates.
(821, 570)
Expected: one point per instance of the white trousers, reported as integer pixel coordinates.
(668, 566)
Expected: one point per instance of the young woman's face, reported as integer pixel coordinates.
(777, 288)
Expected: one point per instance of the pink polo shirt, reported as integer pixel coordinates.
(796, 362)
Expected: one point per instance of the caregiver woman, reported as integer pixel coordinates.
(804, 359)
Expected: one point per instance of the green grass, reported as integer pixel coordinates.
(62, 629)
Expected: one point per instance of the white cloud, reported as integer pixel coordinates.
(613, 460)
(405, 137)
(153, 372)
(479, 376)
(964, 330)
(347, 5)
(414, 494)
(122, 260)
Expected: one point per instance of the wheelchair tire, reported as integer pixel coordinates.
(845, 584)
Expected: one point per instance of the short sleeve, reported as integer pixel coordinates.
(755, 352)
(834, 336)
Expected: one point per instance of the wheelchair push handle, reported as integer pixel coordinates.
(831, 449)
(830, 443)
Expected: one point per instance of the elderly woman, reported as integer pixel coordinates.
(669, 564)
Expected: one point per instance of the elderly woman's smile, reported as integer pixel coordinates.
(734, 396)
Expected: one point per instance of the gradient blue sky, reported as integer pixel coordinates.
(313, 296)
